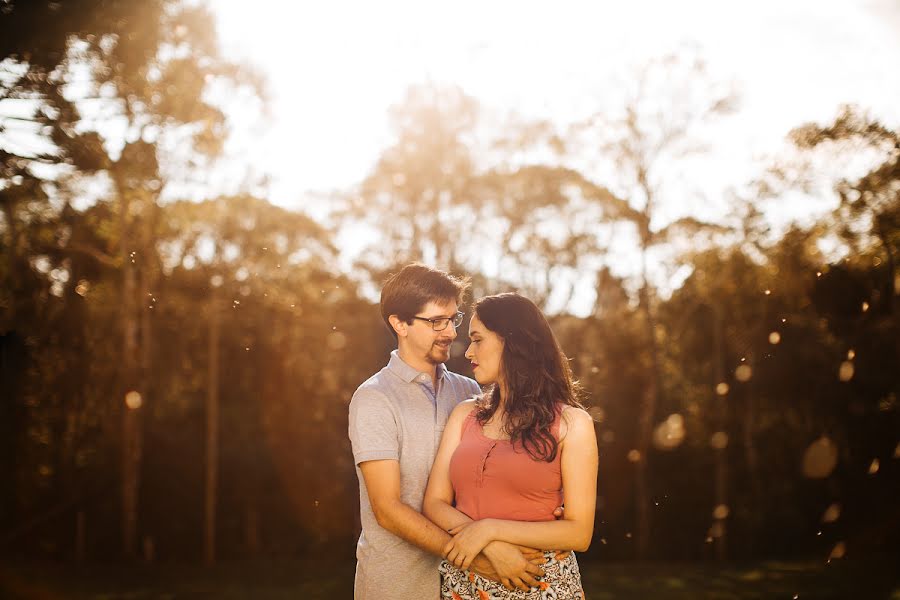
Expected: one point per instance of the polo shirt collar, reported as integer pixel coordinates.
(408, 373)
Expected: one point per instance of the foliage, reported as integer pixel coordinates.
(82, 273)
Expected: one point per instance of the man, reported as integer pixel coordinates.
(396, 420)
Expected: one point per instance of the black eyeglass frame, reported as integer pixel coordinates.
(456, 320)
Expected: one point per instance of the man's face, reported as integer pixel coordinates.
(424, 341)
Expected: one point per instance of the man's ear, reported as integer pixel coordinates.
(400, 326)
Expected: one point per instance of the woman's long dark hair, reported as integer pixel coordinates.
(534, 370)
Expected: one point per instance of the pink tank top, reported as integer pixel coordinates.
(495, 479)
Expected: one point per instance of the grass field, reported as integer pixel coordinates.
(318, 580)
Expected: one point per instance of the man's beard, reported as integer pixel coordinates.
(438, 353)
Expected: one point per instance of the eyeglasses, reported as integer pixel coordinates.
(441, 323)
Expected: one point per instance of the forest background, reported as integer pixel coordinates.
(176, 366)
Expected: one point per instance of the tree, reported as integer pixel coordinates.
(657, 127)
(416, 195)
(869, 208)
(144, 66)
(434, 197)
(537, 229)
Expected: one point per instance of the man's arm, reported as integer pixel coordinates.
(382, 479)
(374, 437)
(383, 484)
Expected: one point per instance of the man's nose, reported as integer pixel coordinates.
(450, 332)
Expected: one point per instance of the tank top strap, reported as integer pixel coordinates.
(469, 422)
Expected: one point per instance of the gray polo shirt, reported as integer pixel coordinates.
(396, 414)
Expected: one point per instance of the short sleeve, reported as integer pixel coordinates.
(373, 427)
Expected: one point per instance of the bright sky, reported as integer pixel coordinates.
(335, 67)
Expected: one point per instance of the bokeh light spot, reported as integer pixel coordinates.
(832, 513)
(820, 458)
(719, 440)
(336, 340)
(133, 400)
(839, 551)
(845, 373)
(874, 466)
(670, 433)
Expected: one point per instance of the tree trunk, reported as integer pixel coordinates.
(646, 416)
(251, 529)
(9, 319)
(751, 457)
(80, 537)
(131, 449)
(885, 240)
(720, 404)
(212, 432)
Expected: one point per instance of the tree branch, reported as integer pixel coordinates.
(101, 257)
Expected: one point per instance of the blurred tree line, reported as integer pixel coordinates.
(176, 374)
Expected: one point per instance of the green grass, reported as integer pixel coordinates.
(315, 580)
(763, 580)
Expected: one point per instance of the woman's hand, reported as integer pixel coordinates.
(467, 542)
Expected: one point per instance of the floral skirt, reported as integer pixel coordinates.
(561, 581)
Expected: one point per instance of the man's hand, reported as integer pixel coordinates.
(512, 567)
(484, 567)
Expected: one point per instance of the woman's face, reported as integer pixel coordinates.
(484, 352)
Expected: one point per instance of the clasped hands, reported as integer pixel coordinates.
(513, 566)
(468, 540)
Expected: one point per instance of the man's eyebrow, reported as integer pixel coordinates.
(441, 317)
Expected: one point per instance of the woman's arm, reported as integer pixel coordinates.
(509, 564)
(579, 459)
(438, 502)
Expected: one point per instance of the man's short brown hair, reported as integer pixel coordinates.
(408, 291)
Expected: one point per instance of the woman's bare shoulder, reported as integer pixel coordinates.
(574, 420)
(462, 410)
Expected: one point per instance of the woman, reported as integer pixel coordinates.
(511, 457)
